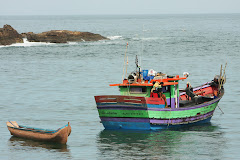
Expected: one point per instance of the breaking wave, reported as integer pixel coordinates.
(114, 37)
(26, 43)
(72, 43)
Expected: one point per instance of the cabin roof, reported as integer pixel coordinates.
(166, 82)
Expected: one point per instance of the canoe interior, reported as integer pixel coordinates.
(14, 125)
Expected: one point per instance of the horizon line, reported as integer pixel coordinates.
(119, 14)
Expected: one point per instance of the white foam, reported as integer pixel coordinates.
(72, 43)
(26, 43)
(149, 38)
(101, 42)
(114, 37)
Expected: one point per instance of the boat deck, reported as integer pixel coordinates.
(190, 103)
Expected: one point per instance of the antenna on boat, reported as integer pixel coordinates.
(142, 45)
(222, 77)
(137, 67)
(141, 54)
(136, 62)
(126, 67)
(124, 62)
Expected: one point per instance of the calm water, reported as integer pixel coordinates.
(47, 85)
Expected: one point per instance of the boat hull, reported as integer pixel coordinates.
(114, 125)
(144, 113)
(60, 136)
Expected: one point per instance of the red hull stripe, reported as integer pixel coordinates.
(120, 99)
(157, 101)
(128, 99)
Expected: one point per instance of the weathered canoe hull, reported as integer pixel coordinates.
(144, 113)
(61, 136)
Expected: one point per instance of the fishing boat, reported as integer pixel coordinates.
(58, 136)
(135, 108)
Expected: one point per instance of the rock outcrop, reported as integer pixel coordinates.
(8, 36)
(62, 36)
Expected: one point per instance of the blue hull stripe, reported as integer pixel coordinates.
(144, 126)
(155, 106)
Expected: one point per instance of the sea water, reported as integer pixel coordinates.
(46, 85)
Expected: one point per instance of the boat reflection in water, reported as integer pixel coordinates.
(184, 143)
(15, 142)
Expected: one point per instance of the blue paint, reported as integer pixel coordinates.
(111, 125)
(155, 106)
(145, 73)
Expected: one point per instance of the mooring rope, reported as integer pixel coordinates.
(220, 109)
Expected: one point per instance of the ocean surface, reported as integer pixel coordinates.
(46, 85)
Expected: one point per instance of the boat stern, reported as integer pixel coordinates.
(123, 112)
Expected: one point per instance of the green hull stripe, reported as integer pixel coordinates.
(123, 113)
(181, 114)
(156, 114)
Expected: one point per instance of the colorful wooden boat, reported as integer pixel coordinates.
(135, 109)
(58, 136)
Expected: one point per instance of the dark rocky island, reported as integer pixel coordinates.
(62, 36)
(8, 36)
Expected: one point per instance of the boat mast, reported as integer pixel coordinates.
(137, 68)
(125, 62)
(142, 45)
(176, 96)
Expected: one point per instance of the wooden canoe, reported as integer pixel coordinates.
(58, 136)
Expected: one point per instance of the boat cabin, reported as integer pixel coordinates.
(141, 87)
